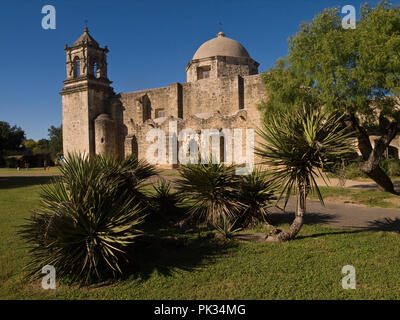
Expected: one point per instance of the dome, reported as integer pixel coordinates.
(221, 46)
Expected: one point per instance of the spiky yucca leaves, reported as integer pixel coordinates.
(211, 190)
(86, 219)
(164, 200)
(133, 172)
(227, 228)
(257, 194)
(299, 146)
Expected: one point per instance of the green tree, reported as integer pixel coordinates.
(352, 71)
(42, 147)
(55, 141)
(11, 138)
(30, 144)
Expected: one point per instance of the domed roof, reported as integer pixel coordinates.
(221, 46)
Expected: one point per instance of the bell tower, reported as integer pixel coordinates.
(86, 94)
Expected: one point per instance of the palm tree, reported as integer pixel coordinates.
(299, 146)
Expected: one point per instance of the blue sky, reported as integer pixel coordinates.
(150, 44)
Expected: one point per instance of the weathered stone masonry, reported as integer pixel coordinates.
(222, 91)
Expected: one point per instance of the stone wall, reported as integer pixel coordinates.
(222, 103)
(75, 120)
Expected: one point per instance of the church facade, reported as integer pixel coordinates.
(222, 92)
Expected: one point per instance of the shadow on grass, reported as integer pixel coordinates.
(169, 255)
(18, 182)
(386, 224)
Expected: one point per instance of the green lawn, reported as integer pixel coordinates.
(307, 268)
(367, 197)
(30, 171)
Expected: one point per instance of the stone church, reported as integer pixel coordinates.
(222, 91)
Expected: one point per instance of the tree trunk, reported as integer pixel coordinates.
(380, 177)
(370, 157)
(298, 221)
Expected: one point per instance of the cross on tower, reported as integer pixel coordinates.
(220, 26)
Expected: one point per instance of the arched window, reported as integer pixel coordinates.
(96, 70)
(77, 67)
(146, 105)
(221, 148)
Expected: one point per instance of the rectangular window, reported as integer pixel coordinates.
(160, 113)
(203, 72)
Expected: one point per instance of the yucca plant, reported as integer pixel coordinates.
(211, 191)
(163, 199)
(87, 218)
(257, 193)
(299, 146)
(227, 229)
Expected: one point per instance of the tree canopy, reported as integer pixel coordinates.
(355, 72)
(11, 138)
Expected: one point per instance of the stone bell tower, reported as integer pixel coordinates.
(85, 97)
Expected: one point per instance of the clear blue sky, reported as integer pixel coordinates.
(150, 44)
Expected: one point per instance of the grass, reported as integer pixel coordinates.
(29, 172)
(307, 268)
(367, 197)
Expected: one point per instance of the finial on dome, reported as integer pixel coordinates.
(220, 33)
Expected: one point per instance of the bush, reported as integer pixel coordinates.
(163, 200)
(390, 166)
(11, 162)
(212, 192)
(256, 193)
(87, 218)
(352, 171)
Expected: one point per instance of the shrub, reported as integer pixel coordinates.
(163, 200)
(11, 162)
(87, 218)
(256, 193)
(352, 171)
(227, 229)
(212, 192)
(390, 166)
